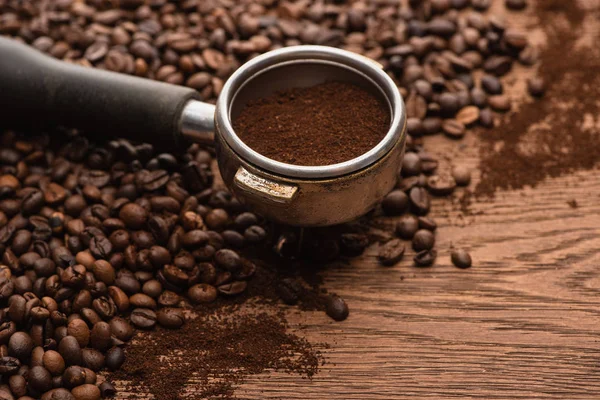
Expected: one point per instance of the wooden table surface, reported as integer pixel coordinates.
(522, 323)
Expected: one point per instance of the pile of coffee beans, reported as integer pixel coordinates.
(98, 240)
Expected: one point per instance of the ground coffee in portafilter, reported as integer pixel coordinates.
(320, 125)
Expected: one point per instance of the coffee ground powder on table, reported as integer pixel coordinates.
(320, 125)
(215, 352)
(559, 133)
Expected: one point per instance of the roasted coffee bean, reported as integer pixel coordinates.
(100, 247)
(143, 318)
(9, 365)
(441, 185)
(92, 359)
(337, 308)
(353, 244)
(515, 4)
(407, 226)
(202, 293)
(54, 362)
(58, 394)
(168, 299)
(142, 300)
(453, 128)
(391, 252)
(461, 175)
(536, 87)
(39, 379)
(170, 317)
(86, 392)
(427, 223)
(227, 259)
(70, 350)
(419, 200)
(395, 203)
(107, 389)
(255, 234)
(18, 385)
(461, 259)
(20, 345)
(194, 238)
(411, 164)
(121, 329)
(423, 240)
(425, 258)
(133, 215)
(232, 289)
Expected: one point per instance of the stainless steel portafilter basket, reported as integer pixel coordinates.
(54, 92)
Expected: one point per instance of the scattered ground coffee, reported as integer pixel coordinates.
(558, 133)
(214, 352)
(325, 124)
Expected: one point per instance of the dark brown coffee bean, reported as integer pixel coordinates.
(105, 307)
(227, 259)
(143, 318)
(170, 317)
(425, 258)
(142, 300)
(92, 359)
(536, 87)
(391, 252)
(337, 308)
(411, 164)
(39, 379)
(515, 4)
(461, 175)
(107, 389)
(168, 299)
(419, 200)
(202, 293)
(232, 289)
(486, 118)
(353, 244)
(58, 394)
(133, 215)
(499, 103)
(121, 329)
(441, 185)
(54, 362)
(194, 238)
(20, 346)
(461, 259)
(74, 376)
(86, 392)
(423, 240)
(498, 65)
(9, 365)
(407, 226)
(100, 247)
(453, 128)
(17, 385)
(80, 331)
(255, 234)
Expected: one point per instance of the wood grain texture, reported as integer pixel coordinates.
(523, 323)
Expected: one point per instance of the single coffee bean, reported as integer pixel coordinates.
(58, 394)
(121, 329)
(53, 362)
(536, 87)
(9, 365)
(227, 259)
(233, 288)
(468, 115)
(395, 203)
(461, 175)
(168, 299)
(143, 318)
(425, 258)
(441, 185)
(80, 331)
(499, 103)
(423, 240)
(92, 359)
(202, 293)
(74, 376)
(40, 379)
(453, 128)
(427, 223)
(419, 200)
(337, 308)
(86, 392)
(391, 252)
(133, 215)
(353, 244)
(515, 4)
(411, 164)
(70, 350)
(107, 389)
(170, 317)
(142, 300)
(100, 336)
(461, 259)
(407, 226)
(20, 345)
(17, 385)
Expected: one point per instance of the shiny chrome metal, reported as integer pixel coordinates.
(293, 194)
(311, 65)
(198, 122)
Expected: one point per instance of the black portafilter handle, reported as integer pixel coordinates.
(38, 90)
